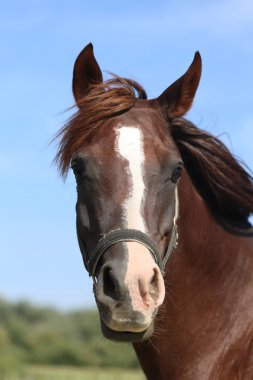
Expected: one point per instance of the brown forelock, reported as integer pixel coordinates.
(218, 176)
(104, 100)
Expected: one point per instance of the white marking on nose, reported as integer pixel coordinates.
(129, 145)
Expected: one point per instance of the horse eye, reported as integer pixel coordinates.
(78, 168)
(176, 174)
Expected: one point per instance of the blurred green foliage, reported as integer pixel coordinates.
(74, 373)
(36, 335)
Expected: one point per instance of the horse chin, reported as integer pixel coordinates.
(126, 336)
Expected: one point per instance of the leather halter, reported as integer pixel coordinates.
(128, 235)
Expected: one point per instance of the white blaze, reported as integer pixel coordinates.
(129, 145)
(141, 265)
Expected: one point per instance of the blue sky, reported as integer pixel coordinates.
(150, 41)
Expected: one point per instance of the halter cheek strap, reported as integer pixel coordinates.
(128, 235)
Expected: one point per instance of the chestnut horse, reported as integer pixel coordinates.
(163, 226)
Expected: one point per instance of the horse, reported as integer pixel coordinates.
(163, 224)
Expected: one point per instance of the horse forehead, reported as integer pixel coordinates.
(154, 144)
(143, 128)
(135, 142)
(129, 133)
(129, 143)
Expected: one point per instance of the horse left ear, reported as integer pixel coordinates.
(86, 72)
(177, 99)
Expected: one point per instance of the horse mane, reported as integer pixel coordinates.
(218, 176)
(103, 101)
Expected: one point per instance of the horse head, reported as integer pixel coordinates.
(127, 167)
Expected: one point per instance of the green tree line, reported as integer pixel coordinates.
(40, 335)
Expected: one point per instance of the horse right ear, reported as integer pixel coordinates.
(178, 98)
(86, 73)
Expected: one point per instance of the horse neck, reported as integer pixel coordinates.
(206, 251)
(211, 266)
(205, 279)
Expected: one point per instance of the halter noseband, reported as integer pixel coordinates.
(128, 235)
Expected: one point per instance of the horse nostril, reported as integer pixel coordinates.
(153, 287)
(110, 284)
(153, 279)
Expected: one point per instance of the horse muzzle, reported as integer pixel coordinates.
(128, 300)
